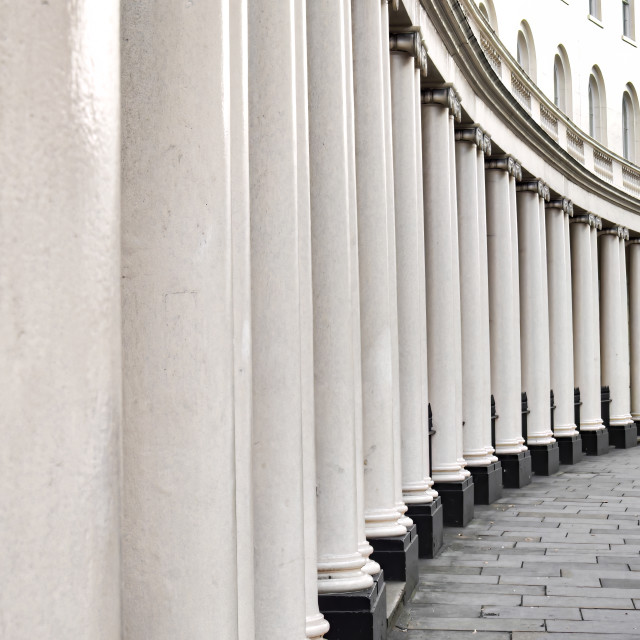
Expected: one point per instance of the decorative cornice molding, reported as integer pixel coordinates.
(443, 96)
(472, 134)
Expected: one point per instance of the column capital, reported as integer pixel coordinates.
(611, 231)
(504, 163)
(410, 42)
(535, 186)
(486, 144)
(561, 203)
(623, 233)
(444, 96)
(472, 134)
(588, 218)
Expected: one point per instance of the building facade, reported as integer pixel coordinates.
(286, 287)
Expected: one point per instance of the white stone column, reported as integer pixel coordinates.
(457, 309)
(481, 152)
(503, 287)
(634, 325)
(475, 417)
(381, 513)
(339, 562)
(534, 318)
(514, 177)
(613, 324)
(586, 365)
(625, 369)
(280, 288)
(441, 324)
(410, 266)
(180, 239)
(60, 339)
(422, 285)
(364, 547)
(393, 280)
(560, 327)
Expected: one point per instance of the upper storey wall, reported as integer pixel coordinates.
(587, 41)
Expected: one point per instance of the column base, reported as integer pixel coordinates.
(624, 436)
(570, 449)
(595, 443)
(398, 557)
(487, 483)
(457, 501)
(516, 469)
(361, 615)
(429, 520)
(545, 458)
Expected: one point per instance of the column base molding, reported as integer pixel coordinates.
(361, 615)
(570, 449)
(487, 483)
(516, 469)
(545, 458)
(457, 501)
(623, 436)
(429, 518)
(595, 443)
(398, 557)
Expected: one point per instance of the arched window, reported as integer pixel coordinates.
(628, 19)
(525, 50)
(597, 107)
(488, 11)
(562, 89)
(595, 9)
(629, 124)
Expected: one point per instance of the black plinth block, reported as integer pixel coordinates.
(398, 557)
(487, 483)
(595, 443)
(570, 449)
(429, 520)
(624, 436)
(457, 501)
(359, 615)
(516, 469)
(545, 458)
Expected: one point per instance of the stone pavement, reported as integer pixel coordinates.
(559, 559)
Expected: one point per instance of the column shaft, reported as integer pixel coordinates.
(560, 329)
(280, 289)
(441, 323)
(625, 366)
(474, 397)
(634, 326)
(339, 562)
(410, 261)
(60, 321)
(381, 512)
(534, 319)
(586, 367)
(504, 329)
(179, 313)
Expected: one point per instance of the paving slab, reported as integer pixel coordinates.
(559, 560)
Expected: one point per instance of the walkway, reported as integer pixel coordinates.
(559, 560)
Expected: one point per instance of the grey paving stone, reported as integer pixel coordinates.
(560, 559)
(611, 614)
(532, 635)
(438, 577)
(620, 583)
(418, 621)
(448, 597)
(449, 570)
(552, 582)
(591, 592)
(507, 589)
(449, 635)
(546, 569)
(536, 613)
(576, 601)
(614, 559)
(441, 611)
(602, 573)
(592, 626)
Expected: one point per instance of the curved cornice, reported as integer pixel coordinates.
(450, 19)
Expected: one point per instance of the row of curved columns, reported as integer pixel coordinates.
(315, 250)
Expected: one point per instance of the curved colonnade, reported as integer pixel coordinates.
(330, 273)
